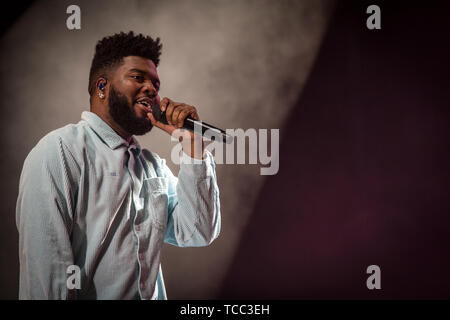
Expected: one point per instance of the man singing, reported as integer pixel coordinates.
(93, 204)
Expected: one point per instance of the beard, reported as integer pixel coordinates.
(124, 115)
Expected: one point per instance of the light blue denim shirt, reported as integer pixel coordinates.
(88, 198)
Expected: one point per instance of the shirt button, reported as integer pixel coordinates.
(138, 228)
(141, 256)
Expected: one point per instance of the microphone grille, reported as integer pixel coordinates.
(158, 114)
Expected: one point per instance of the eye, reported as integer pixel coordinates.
(138, 78)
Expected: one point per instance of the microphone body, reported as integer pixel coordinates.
(208, 131)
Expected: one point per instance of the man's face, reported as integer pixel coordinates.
(134, 89)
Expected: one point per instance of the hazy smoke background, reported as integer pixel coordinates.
(242, 63)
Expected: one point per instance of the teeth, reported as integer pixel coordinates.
(145, 103)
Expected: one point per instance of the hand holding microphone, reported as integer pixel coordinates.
(170, 115)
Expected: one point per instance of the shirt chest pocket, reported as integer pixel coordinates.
(156, 201)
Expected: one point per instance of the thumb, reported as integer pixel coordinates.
(159, 124)
(152, 118)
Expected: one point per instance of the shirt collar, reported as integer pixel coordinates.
(107, 134)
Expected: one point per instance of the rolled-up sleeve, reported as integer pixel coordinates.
(43, 217)
(194, 204)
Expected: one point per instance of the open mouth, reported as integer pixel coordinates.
(144, 102)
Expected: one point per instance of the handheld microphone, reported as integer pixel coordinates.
(208, 131)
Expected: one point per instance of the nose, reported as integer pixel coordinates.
(150, 90)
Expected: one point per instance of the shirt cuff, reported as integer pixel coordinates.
(197, 167)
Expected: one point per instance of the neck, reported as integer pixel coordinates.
(105, 116)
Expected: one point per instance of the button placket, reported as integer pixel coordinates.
(135, 170)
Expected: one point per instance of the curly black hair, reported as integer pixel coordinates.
(110, 51)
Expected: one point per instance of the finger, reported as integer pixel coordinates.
(175, 114)
(163, 104)
(183, 114)
(181, 117)
(170, 109)
(195, 116)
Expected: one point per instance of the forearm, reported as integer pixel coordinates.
(196, 217)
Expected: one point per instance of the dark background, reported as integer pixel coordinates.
(364, 175)
(368, 180)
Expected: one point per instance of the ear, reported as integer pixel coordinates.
(100, 84)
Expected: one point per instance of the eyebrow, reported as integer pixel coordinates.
(137, 70)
